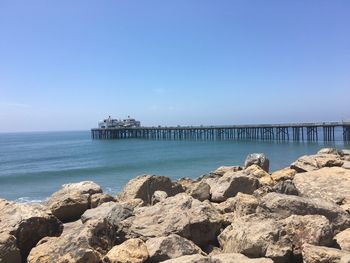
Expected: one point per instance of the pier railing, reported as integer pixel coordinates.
(326, 131)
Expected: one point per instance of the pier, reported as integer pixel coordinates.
(325, 131)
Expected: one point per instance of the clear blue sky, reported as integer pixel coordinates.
(66, 64)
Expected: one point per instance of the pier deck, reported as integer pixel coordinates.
(326, 131)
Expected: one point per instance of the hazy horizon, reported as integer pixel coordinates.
(66, 65)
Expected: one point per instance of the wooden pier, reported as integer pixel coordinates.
(326, 131)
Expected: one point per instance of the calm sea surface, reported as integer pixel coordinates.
(34, 165)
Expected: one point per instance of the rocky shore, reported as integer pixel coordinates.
(233, 214)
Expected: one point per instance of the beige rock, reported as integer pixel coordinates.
(346, 165)
(319, 254)
(143, 187)
(237, 258)
(8, 249)
(78, 243)
(257, 236)
(22, 226)
(189, 259)
(100, 198)
(285, 187)
(331, 184)
(131, 251)
(158, 196)
(258, 172)
(197, 221)
(172, 246)
(343, 239)
(72, 200)
(284, 174)
(283, 206)
(230, 184)
(309, 163)
(224, 169)
(328, 151)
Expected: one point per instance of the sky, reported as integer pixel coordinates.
(65, 65)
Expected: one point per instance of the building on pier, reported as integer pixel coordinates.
(111, 123)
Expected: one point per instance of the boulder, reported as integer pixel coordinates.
(131, 251)
(224, 169)
(200, 191)
(237, 258)
(285, 187)
(22, 226)
(320, 254)
(230, 184)
(100, 198)
(256, 236)
(344, 152)
(308, 163)
(78, 243)
(283, 206)
(241, 205)
(158, 196)
(332, 184)
(189, 259)
(172, 246)
(328, 151)
(346, 165)
(343, 239)
(257, 172)
(259, 159)
(143, 187)
(280, 240)
(101, 211)
(284, 174)
(197, 221)
(9, 251)
(72, 200)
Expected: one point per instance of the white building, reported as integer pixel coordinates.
(115, 123)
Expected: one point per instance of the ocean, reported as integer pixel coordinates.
(34, 165)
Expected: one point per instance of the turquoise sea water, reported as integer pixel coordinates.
(34, 165)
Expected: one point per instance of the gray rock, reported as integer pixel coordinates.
(72, 200)
(320, 254)
(308, 163)
(197, 221)
(285, 187)
(143, 187)
(22, 226)
(332, 184)
(200, 191)
(259, 159)
(101, 211)
(230, 184)
(172, 246)
(282, 206)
